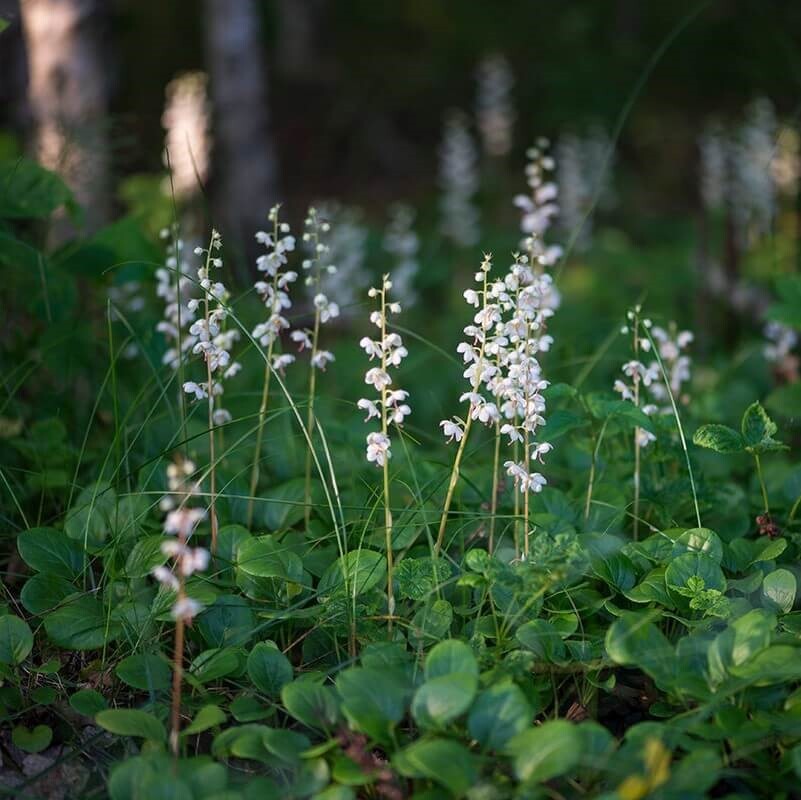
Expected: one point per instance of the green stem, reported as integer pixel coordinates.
(254, 469)
(762, 484)
(384, 428)
(310, 416)
(494, 501)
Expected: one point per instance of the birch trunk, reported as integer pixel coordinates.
(243, 168)
(67, 95)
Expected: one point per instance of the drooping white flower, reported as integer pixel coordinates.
(403, 244)
(495, 114)
(584, 170)
(453, 429)
(210, 338)
(180, 523)
(174, 288)
(274, 292)
(390, 406)
(672, 344)
(458, 178)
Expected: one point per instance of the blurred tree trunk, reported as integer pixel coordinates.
(298, 52)
(13, 106)
(243, 161)
(67, 95)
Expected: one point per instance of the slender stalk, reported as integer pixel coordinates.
(310, 415)
(762, 485)
(384, 427)
(494, 501)
(177, 664)
(794, 509)
(596, 450)
(210, 392)
(452, 485)
(515, 456)
(265, 395)
(636, 433)
(526, 457)
(454, 478)
(680, 427)
(254, 468)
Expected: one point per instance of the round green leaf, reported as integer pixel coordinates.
(440, 700)
(373, 700)
(542, 639)
(450, 657)
(779, 587)
(546, 752)
(208, 717)
(358, 571)
(16, 640)
(51, 551)
(145, 556)
(81, 624)
(146, 671)
(443, 761)
(131, 722)
(43, 593)
(311, 703)
(229, 621)
(88, 702)
(210, 665)
(690, 565)
(498, 714)
(264, 557)
(699, 540)
(269, 668)
(32, 740)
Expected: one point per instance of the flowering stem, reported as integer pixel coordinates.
(515, 456)
(636, 328)
(210, 393)
(254, 469)
(762, 484)
(526, 458)
(265, 394)
(177, 665)
(476, 383)
(452, 485)
(494, 500)
(310, 415)
(387, 508)
(593, 464)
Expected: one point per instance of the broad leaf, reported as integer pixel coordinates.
(442, 761)
(16, 640)
(269, 669)
(719, 438)
(552, 749)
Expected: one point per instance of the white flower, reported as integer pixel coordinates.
(377, 378)
(399, 413)
(458, 177)
(165, 577)
(282, 361)
(199, 390)
(221, 416)
(453, 429)
(321, 359)
(186, 609)
(302, 338)
(378, 448)
(371, 347)
(183, 521)
(370, 407)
